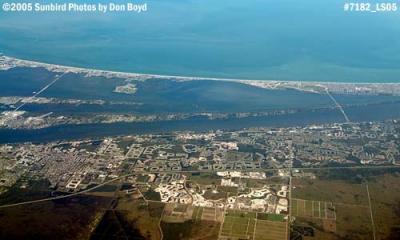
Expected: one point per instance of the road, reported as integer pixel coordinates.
(41, 90)
(370, 211)
(64, 196)
(338, 106)
(276, 169)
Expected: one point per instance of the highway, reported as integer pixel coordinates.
(338, 105)
(64, 196)
(41, 90)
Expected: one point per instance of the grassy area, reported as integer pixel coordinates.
(313, 209)
(152, 195)
(271, 217)
(214, 195)
(124, 144)
(316, 226)
(175, 231)
(336, 191)
(338, 208)
(90, 146)
(36, 189)
(204, 230)
(107, 188)
(144, 217)
(385, 200)
(180, 208)
(238, 213)
(347, 191)
(197, 212)
(205, 179)
(143, 178)
(353, 222)
(71, 218)
(355, 176)
(198, 226)
(270, 230)
(229, 190)
(115, 225)
(238, 227)
(254, 183)
(238, 224)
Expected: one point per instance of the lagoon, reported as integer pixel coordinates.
(378, 112)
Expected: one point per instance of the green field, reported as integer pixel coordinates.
(270, 230)
(197, 212)
(271, 217)
(252, 225)
(313, 209)
(238, 225)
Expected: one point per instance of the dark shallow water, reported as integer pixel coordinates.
(157, 96)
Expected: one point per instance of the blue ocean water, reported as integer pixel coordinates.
(258, 39)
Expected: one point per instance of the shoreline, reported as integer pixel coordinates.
(54, 67)
(316, 87)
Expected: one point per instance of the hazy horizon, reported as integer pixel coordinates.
(266, 40)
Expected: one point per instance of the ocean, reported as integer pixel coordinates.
(260, 39)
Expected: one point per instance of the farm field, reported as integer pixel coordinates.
(252, 225)
(180, 221)
(360, 205)
(238, 225)
(270, 230)
(313, 209)
(385, 201)
(271, 227)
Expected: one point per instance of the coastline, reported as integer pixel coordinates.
(7, 62)
(62, 68)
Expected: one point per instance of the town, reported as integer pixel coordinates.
(239, 181)
(72, 166)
